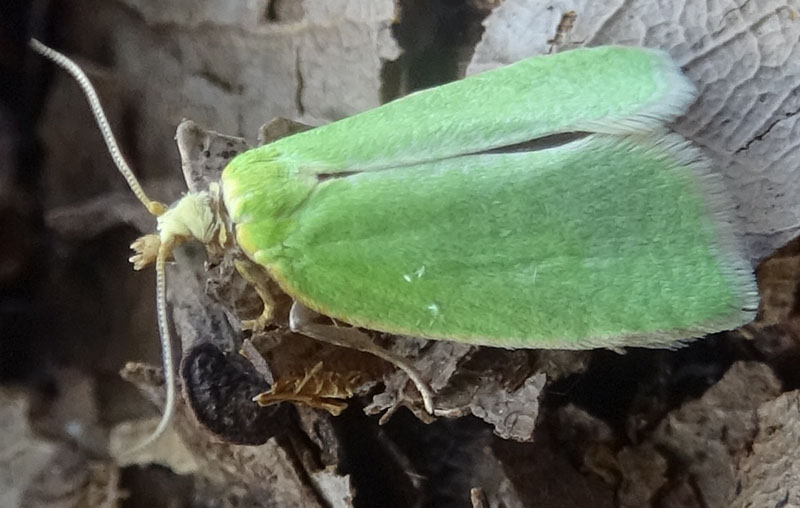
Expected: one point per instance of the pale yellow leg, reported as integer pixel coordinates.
(257, 277)
(146, 251)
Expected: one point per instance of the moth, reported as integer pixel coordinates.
(540, 205)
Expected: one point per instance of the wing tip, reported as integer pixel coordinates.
(675, 93)
(720, 209)
(726, 247)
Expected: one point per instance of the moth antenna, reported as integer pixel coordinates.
(154, 207)
(166, 349)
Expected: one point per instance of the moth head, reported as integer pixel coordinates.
(196, 216)
(191, 217)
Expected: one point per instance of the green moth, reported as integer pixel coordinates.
(540, 205)
(430, 217)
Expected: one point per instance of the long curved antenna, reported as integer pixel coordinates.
(154, 207)
(166, 349)
(77, 73)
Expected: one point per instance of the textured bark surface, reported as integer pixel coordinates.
(714, 424)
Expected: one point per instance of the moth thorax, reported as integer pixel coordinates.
(198, 216)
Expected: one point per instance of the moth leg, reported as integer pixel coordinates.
(255, 275)
(300, 322)
(146, 251)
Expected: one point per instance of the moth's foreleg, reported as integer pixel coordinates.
(146, 251)
(257, 277)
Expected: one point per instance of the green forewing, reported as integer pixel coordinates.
(391, 219)
(607, 89)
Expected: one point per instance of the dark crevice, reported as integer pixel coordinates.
(766, 131)
(378, 478)
(271, 12)
(438, 38)
(409, 463)
(217, 80)
(563, 29)
(298, 94)
(618, 385)
(283, 11)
